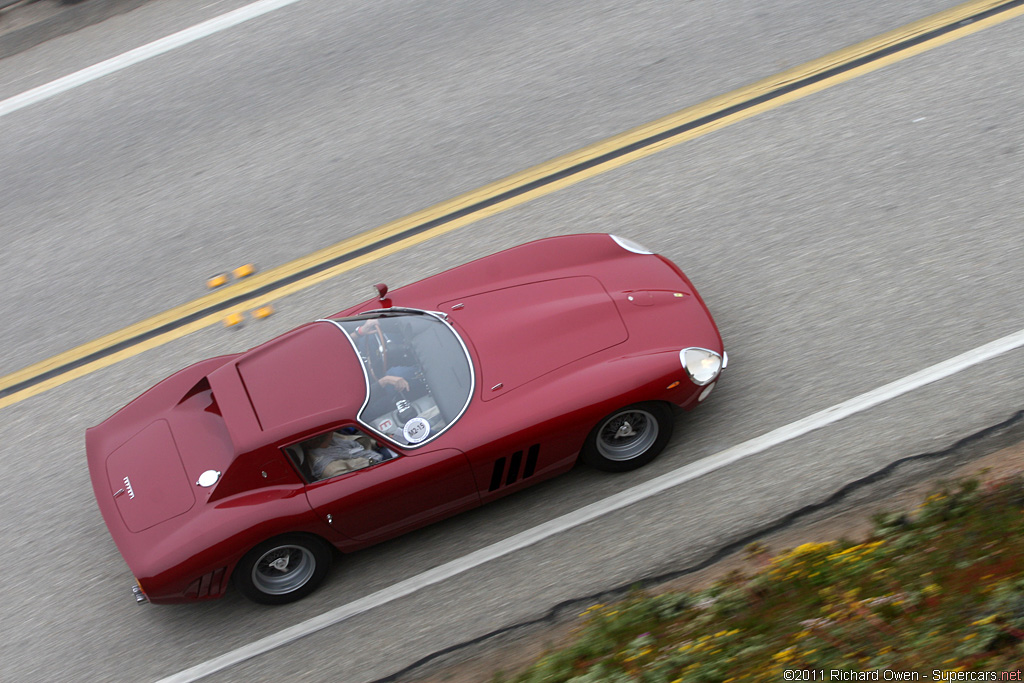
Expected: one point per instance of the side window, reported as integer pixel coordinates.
(337, 452)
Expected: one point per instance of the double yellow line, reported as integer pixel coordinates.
(504, 194)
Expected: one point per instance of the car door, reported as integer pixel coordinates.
(386, 499)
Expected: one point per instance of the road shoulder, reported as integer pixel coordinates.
(26, 25)
(850, 518)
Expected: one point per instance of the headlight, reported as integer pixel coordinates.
(630, 245)
(701, 365)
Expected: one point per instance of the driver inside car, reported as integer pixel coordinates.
(397, 380)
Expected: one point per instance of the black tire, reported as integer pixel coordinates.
(301, 561)
(629, 438)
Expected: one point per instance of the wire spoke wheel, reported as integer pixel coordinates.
(629, 438)
(283, 570)
(627, 435)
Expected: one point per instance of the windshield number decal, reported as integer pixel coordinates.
(416, 430)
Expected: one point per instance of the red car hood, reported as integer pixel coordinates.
(523, 332)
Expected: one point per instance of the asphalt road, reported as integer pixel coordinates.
(842, 241)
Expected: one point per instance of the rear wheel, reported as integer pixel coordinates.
(629, 438)
(283, 569)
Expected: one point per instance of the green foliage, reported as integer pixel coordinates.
(937, 587)
(1008, 602)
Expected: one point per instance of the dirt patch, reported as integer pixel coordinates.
(517, 654)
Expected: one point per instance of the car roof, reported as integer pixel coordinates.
(300, 380)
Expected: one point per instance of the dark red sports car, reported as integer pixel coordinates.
(443, 395)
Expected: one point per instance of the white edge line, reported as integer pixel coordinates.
(140, 54)
(605, 506)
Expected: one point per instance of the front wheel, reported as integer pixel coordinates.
(629, 438)
(283, 569)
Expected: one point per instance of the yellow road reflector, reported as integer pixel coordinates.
(244, 271)
(263, 312)
(217, 281)
(233, 319)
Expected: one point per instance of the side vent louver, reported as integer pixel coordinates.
(499, 469)
(207, 585)
(513, 469)
(515, 462)
(531, 460)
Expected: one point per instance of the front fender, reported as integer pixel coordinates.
(603, 387)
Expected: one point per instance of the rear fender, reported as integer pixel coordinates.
(223, 532)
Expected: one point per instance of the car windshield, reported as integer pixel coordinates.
(418, 373)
